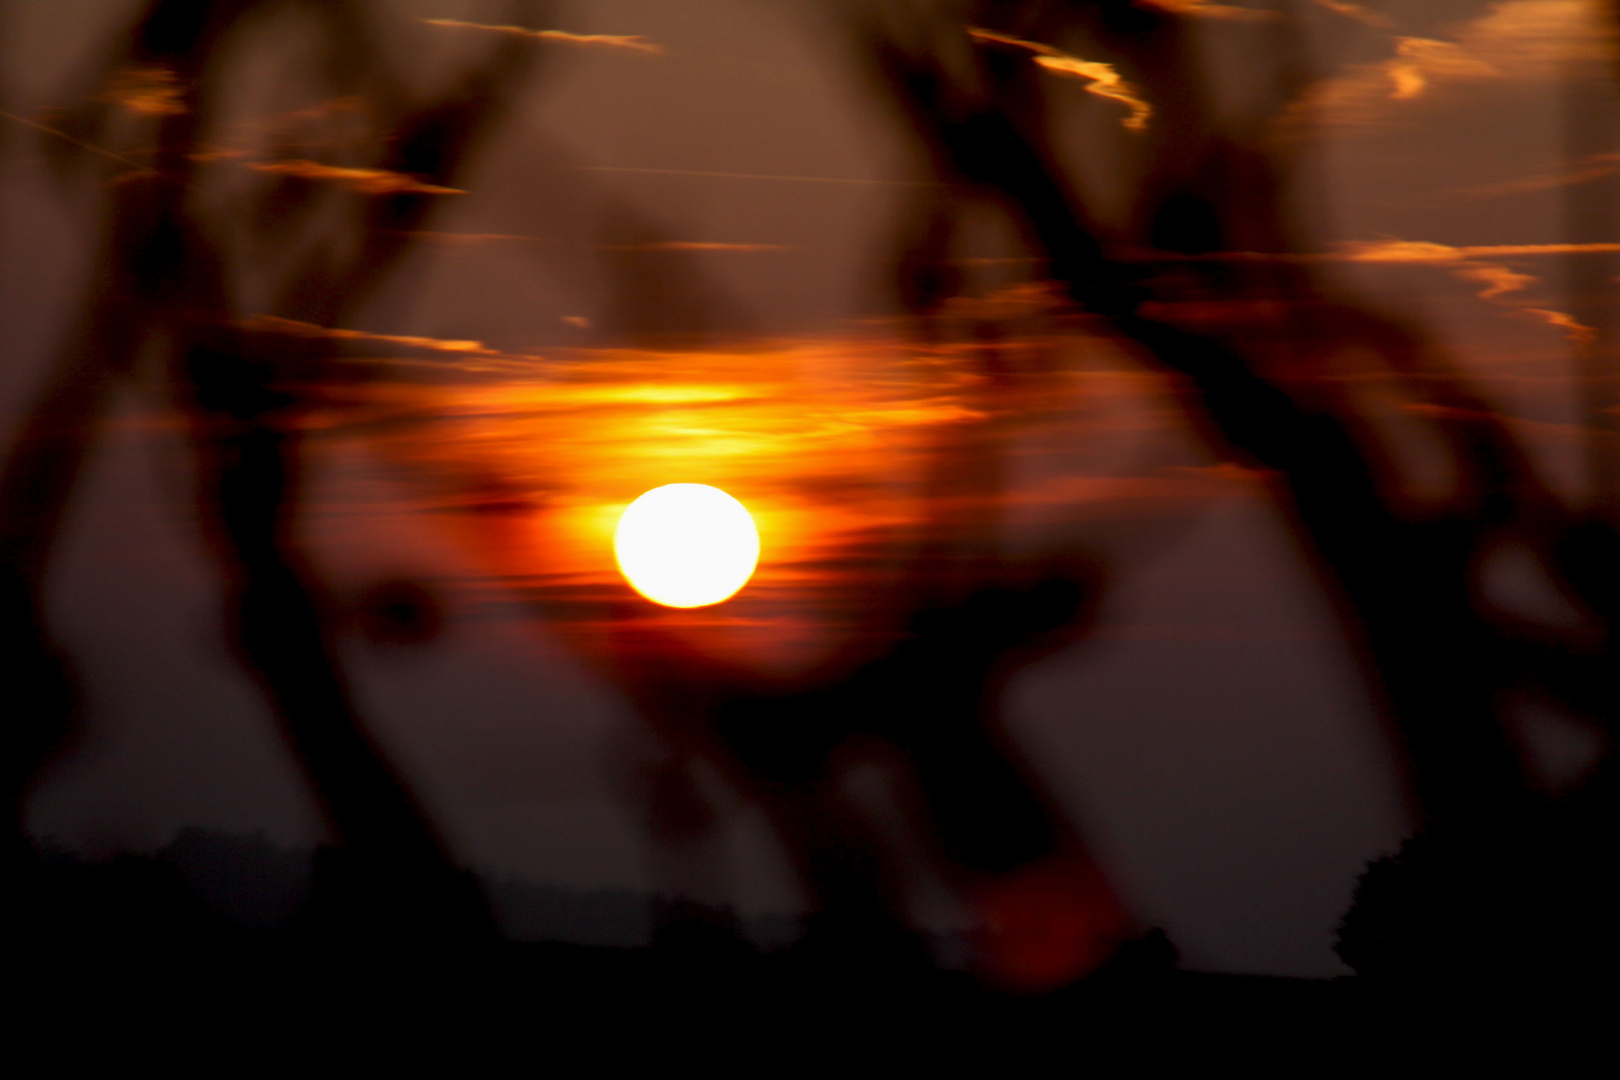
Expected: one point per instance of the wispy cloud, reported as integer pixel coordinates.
(148, 91)
(1357, 12)
(1411, 251)
(438, 237)
(1478, 264)
(662, 245)
(1395, 251)
(365, 181)
(776, 177)
(696, 245)
(1203, 9)
(632, 42)
(1101, 79)
(1563, 320)
(1594, 167)
(1229, 471)
(1420, 62)
(1525, 41)
(1497, 280)
(1466, 263)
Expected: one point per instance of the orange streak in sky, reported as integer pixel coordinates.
(1205, 10)
(365, 181)
(633, 42)
(276, 325)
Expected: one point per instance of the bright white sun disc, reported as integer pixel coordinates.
(686, 545)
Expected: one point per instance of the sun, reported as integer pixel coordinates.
(686, 545)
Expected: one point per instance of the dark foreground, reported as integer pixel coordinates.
(131, 961)
(247, 1001)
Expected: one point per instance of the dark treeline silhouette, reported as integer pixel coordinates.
(249, 884)
(209, 949)
(1203, 283)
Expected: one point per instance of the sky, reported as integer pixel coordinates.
(668, 264)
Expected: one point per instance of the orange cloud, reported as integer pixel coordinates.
(151, 91)
(1473, 263)
(1524, 41)
(1229, 471)
(1101, 79)
(1538, 38)
(633, 42)
(1355, 11)
(470, 238)
(1540, 249)
(1399, 251)
(664, 245)
(1206, 10)
(696, 245)
(1411, 251)
(1498, 280)
(1595, 167)
(217, 153)
(780, 177)
(1420, 61)
(365, 181)
(1577, 332)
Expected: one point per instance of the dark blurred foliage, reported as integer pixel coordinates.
(1254, 344)
(1502, 879)
(165, 280)
(399, 611)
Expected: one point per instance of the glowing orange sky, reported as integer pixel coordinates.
(854, 457)
(857, 457)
